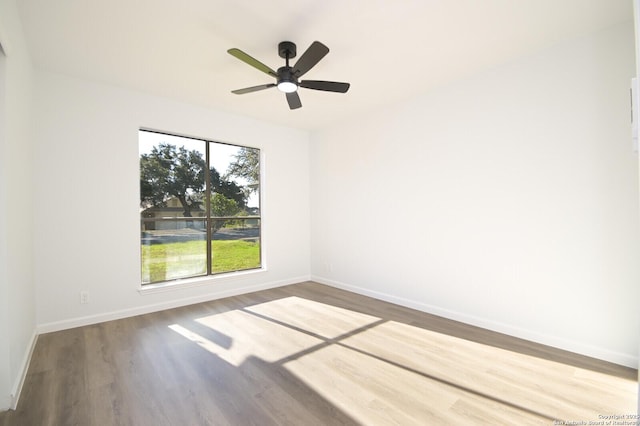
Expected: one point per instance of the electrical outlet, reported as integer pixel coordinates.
(84, 297)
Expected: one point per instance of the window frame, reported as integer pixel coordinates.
(208, 219)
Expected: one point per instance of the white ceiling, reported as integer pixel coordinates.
(387, 49)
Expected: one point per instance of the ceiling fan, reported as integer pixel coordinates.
(287, 76)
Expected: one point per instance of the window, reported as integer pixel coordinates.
(199, 207)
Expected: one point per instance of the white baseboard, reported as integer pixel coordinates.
(24, 367)
(145, 309)
(627, 360)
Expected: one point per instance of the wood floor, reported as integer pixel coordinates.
(308, 354)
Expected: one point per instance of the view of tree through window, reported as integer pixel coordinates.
(199, 207)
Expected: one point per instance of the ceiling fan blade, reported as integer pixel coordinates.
(327, 86)
(310, 58)
(253, 89)
(252, 61)
(294, 100)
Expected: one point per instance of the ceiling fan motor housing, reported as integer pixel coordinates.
(285, 74)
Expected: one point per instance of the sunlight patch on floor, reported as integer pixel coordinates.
(313, 317)
(428, 368)
(374, 369)
(252, 335)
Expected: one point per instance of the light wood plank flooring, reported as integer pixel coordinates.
(308, 354)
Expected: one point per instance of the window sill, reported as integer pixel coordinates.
(180, 284)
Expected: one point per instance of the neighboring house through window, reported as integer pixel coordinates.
(199, 207)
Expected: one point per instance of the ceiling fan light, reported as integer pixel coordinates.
(287, 86)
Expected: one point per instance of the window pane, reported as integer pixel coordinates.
(172, 184)
(235, 245)
(235, 208)
(172, 249)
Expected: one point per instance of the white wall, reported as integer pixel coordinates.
(87, 178)
(508, 200)
(17, 300)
